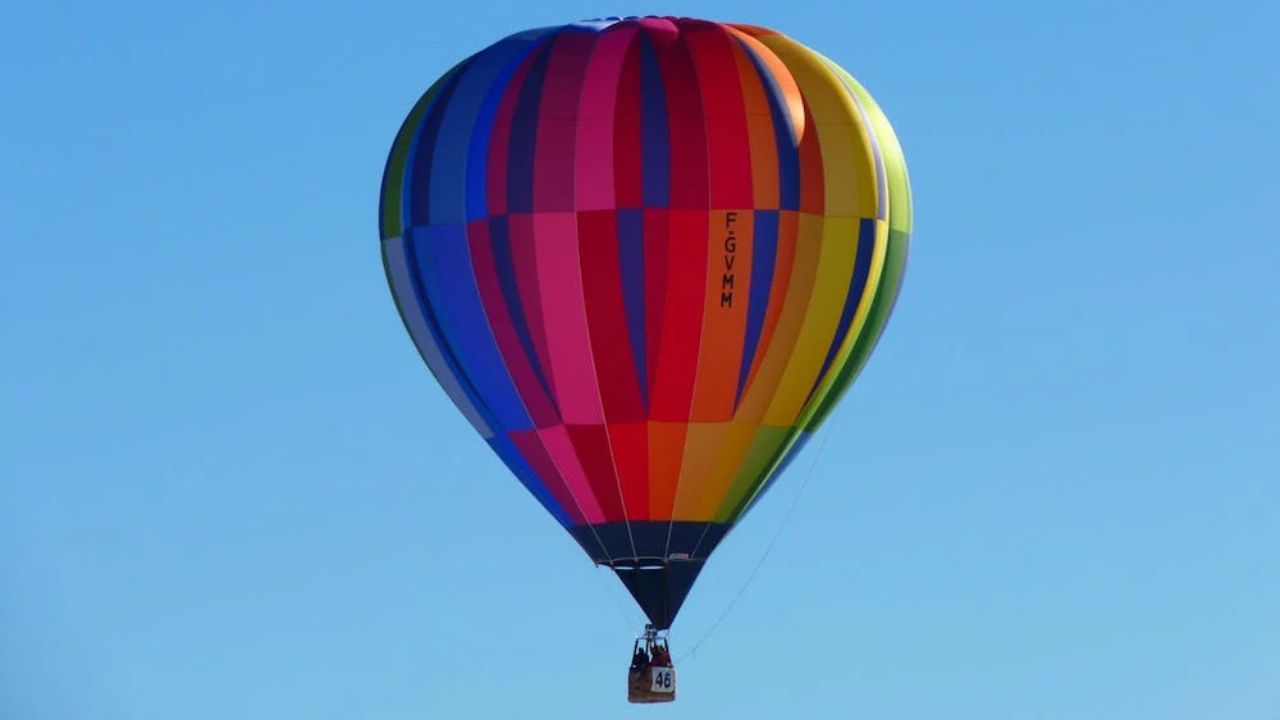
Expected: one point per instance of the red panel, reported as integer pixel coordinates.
(630, 443)
(666, 454)
(627, 165)
(812, 187)
(553, 165)
(727, 138)
(671, 393)
(591, 443)
(686, 126)
(656, 231)
(606, 316)
(520, 230)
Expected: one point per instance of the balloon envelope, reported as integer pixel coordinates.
(645, 257)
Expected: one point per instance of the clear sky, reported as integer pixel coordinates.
(230, 489)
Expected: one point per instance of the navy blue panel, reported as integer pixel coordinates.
(764, 253)
(616, 539)
(417, 186)
(511, 53)
(524, 136)
(694, 541)
(660, 592)
(454, 139)
(650, 538)
(658, 583)
(500, 241)
(683, 537)
(631, 258)
(654, 138)
(709, 541)
(857, 285)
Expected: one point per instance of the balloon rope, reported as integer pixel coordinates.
(628, 619)
(822, 443)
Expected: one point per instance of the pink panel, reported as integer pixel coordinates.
(560, 447)
(565, 318)
(596, 119)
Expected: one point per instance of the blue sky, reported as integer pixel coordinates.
(229, 489)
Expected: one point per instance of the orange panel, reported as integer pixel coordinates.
(666, 450)
(724, 319)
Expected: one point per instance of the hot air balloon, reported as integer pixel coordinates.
(645, 257)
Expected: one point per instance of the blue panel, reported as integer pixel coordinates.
(764, 254)
(631, 259)
(417, 185)
(444, 262)
(654, 133)
(511, 53)
(505, 449)
(410, 297)
(448, 189)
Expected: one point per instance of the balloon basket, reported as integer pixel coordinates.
(652, 676)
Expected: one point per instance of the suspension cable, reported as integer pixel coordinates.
(822, 443)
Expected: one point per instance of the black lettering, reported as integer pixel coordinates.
(730, 259)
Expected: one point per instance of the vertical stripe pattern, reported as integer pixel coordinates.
(645, 257)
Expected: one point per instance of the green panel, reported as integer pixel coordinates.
(881, 307)
(899, 240)
(759, 460)
(816, 414)
(882, 302)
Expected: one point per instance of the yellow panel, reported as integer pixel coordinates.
(822, 89)
(895, 164)
(859, 318)
(701, 450)
(831, 288)
(700, 500)
(842, 134)
(759, 393)
(849, 171)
